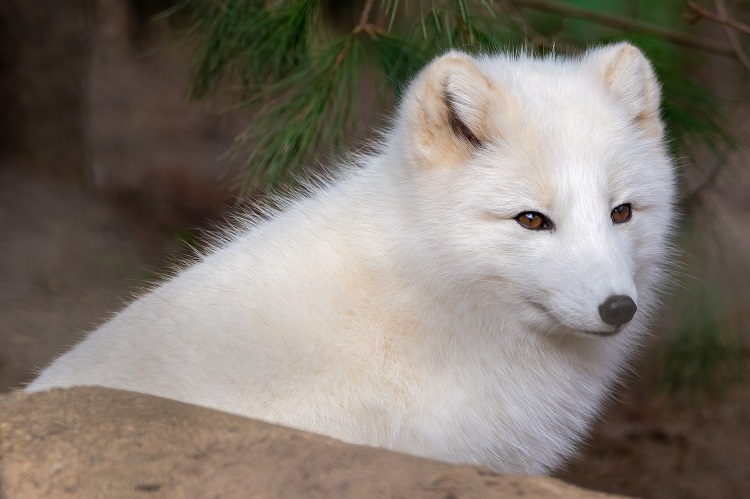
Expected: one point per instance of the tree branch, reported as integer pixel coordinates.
(362, 25)
(364, 18)
(699, 12)
(696, 195)
(734, 41)
(673, 36)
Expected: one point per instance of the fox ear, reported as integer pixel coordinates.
(450, 110)
(629, 76)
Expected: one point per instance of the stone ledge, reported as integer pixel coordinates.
(96, 442)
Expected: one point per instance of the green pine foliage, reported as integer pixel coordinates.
(248, 39)
(302, 82)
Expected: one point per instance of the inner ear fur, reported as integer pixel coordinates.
(453, 110)
(630, 77)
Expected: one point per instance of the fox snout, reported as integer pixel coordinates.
(617, 310)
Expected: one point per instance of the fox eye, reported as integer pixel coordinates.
(622, 213)
(533, 220)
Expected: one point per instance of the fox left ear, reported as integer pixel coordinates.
(629, 76)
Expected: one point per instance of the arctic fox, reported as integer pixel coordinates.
(468, 292)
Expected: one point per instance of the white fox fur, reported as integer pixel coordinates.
(402, 305)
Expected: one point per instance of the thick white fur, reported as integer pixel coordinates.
(401, 305)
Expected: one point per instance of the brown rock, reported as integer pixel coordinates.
(95, 442)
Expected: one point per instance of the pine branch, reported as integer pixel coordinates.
(364, 18)
(307, 109)
(624, 24)
(697, 195)
(302, 88)
(700, 12)
(734, 41)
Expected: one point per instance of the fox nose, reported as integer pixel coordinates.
(617, 309)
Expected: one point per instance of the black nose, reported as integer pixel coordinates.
(617, 309)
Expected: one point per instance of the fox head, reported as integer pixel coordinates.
(539, 184)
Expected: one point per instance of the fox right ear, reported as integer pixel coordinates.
(628, 75)
(451, 109)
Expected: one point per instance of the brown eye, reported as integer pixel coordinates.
(533, 220)
(621, 214)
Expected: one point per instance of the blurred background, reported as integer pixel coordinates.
(128, 127)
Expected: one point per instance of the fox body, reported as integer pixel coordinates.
(467, 292)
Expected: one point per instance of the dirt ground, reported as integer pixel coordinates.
(649, 446)
(69, 257)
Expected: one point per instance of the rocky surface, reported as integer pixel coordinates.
(95, 442)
